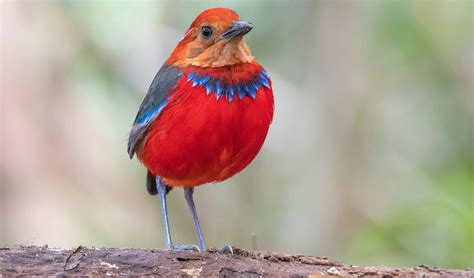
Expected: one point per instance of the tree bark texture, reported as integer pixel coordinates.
(81, 261)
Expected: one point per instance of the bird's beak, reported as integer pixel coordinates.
(238, 28)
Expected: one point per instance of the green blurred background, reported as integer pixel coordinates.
(369, 159)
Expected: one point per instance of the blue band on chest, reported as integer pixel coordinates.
(240, 90)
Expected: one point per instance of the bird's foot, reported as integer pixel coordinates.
(184, 247)
(227, 248)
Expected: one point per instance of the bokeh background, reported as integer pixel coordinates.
(369, 159)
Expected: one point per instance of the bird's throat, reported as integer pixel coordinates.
(222, 53)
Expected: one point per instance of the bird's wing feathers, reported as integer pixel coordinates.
(155, 100)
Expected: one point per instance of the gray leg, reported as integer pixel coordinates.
(188, 194)
(163, 190)
(161, 187)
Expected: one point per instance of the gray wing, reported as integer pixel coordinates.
(155, 100)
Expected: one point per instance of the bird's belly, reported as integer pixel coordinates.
(200, 140)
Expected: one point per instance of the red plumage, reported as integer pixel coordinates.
(198, 139)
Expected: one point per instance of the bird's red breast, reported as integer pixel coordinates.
(198, 138)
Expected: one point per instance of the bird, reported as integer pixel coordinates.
(206, 114)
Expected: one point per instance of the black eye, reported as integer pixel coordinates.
(206, 31)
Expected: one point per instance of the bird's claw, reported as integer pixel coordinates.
(227, 248)
(184, 247)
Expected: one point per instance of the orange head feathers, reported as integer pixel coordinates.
(214, 39)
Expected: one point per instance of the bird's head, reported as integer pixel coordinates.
(214, 39)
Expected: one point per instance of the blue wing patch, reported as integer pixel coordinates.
(154, 102)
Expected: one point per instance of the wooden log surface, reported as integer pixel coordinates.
(34, 260)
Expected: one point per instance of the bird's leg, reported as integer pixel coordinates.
(188, 194)
(163, 190)
(161, 187)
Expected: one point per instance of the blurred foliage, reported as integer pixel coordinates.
(437, 230)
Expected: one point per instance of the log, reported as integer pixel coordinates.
(44, 261)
